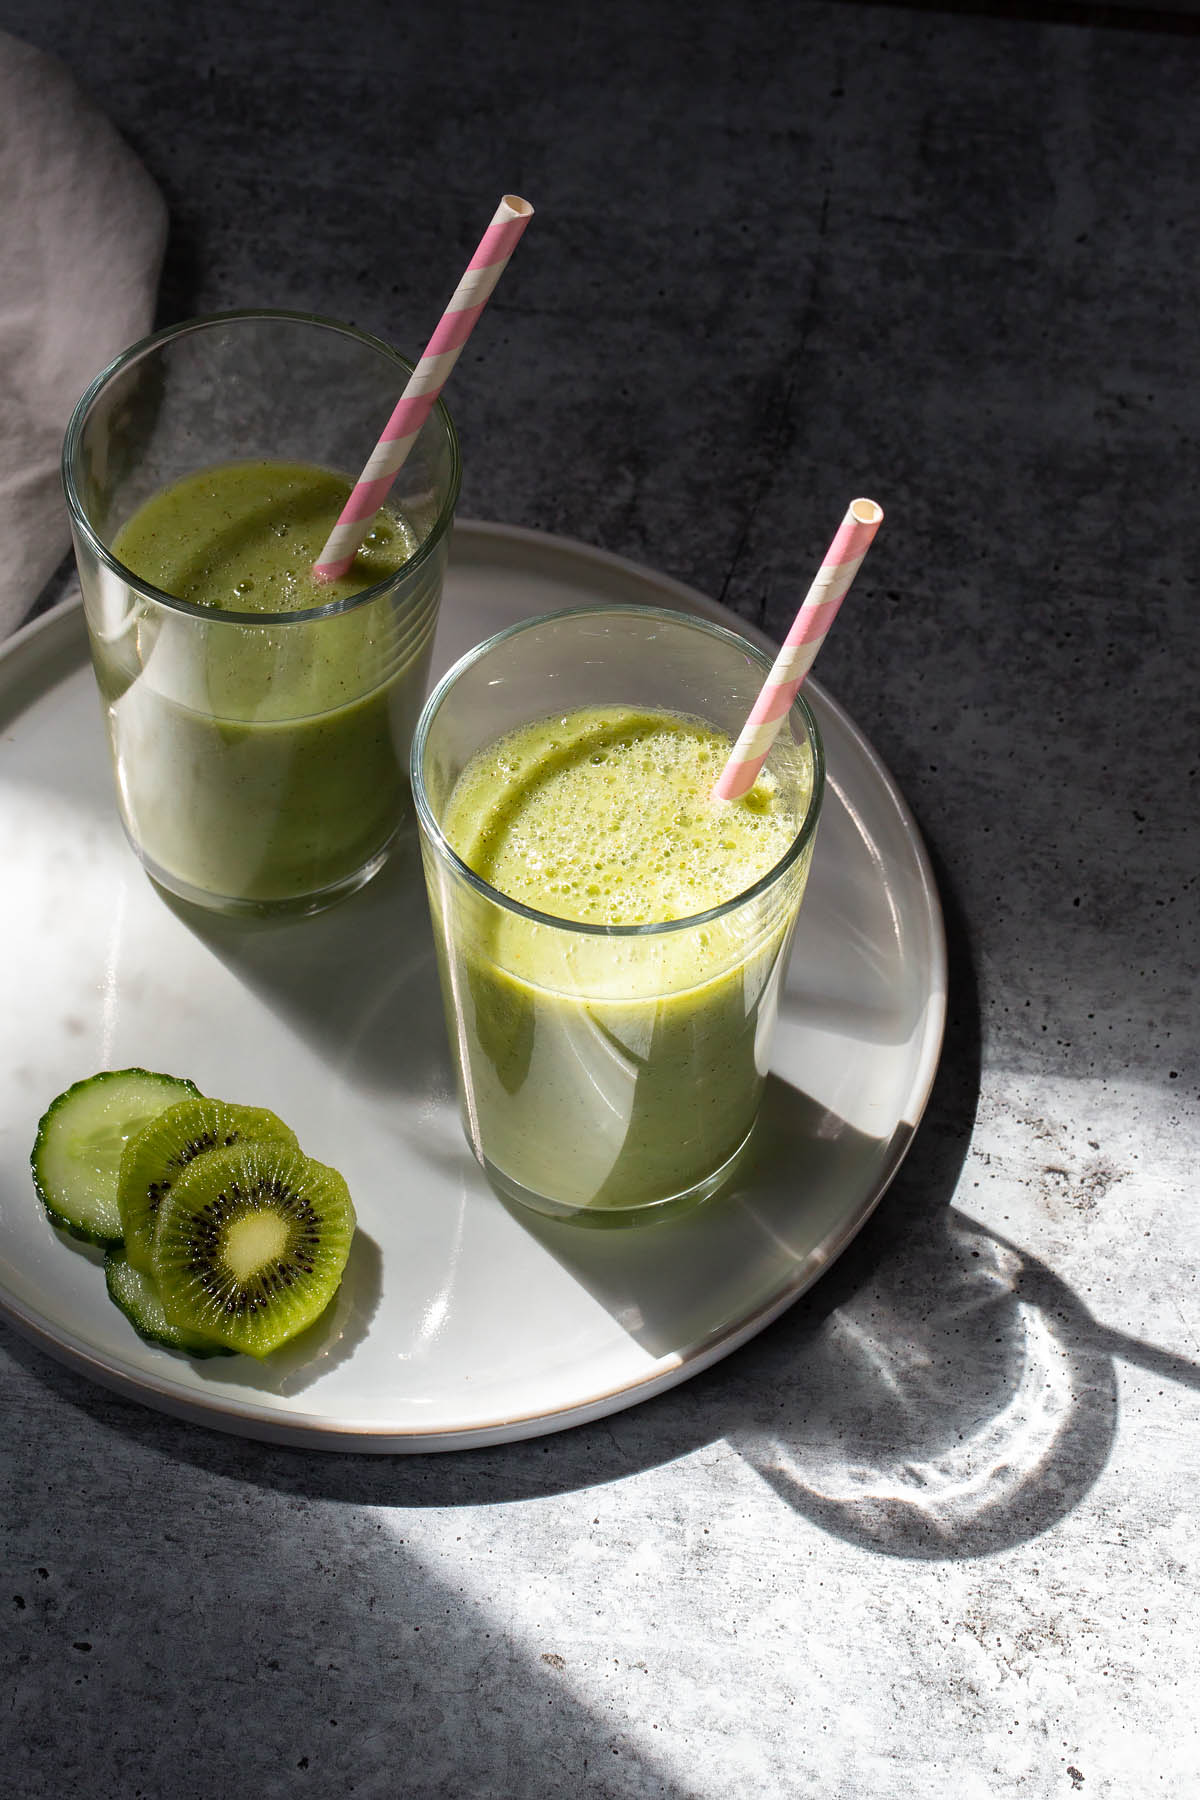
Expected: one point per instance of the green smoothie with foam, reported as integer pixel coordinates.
(261, 756)
(617, 1069)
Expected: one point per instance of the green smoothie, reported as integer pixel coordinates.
(602, 1069)
(260, 758)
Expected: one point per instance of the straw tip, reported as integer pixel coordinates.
(735, 779)
(866, 512)
(520, 209)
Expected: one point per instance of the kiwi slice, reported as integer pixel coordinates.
(154, 1160)
(138, 1297)
(251, 1244)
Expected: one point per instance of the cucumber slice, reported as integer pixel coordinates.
(138, 1298)
(166, 1145)
(76, 1157)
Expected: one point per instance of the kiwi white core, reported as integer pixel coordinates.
(253, 1241)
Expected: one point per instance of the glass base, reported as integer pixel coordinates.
(647, 1212)
(291, 906)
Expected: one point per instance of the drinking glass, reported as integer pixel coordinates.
(608, 1073)
(260, 759)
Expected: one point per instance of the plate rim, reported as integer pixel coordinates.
(326, 1432)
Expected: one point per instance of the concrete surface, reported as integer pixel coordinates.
(935, 1532)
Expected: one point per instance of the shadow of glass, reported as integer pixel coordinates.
(779, 1223)
(941, 1394)
(959, 1403)
(343, 978)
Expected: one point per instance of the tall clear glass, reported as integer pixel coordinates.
(260, 759)
(608, 1073)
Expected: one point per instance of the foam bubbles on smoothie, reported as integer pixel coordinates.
(606, 816)
(266, 523)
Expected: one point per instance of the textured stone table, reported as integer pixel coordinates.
(935, 1532)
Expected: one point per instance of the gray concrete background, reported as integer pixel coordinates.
(935, 1532)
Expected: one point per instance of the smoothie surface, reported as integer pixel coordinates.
(242, 537)
(606, 816)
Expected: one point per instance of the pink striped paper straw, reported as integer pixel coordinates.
(425, 384)
(843, 560)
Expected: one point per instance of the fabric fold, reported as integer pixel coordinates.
(83, 228)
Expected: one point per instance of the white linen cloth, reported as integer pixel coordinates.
(82, 230)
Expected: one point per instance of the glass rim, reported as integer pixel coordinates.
(73, 437)
(432, 831)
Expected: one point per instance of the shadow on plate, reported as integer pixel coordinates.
(783, 1209)
(343, 978)
(328, 1341)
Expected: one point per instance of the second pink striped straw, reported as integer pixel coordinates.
(841, 564)
(425, 384)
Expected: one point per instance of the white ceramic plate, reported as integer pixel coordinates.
(458, 1323)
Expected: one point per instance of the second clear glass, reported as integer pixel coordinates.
(260, 759)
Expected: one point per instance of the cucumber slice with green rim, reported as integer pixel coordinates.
(81, 1136)
(138, 1297)
(165, 1146)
